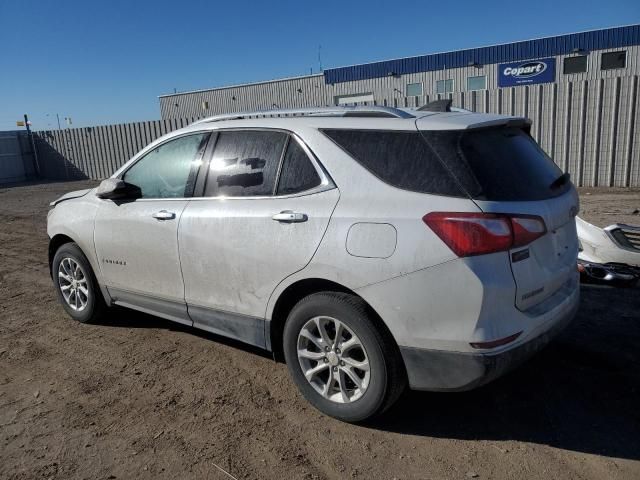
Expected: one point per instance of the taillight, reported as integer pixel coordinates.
(470, 234)
(526, 229)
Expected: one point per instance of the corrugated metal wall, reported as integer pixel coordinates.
(587, 122)
(313, 91)
(591, 128)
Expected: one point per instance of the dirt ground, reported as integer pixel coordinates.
(140, 397)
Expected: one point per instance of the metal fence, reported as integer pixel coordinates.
(97, 152)
(17, 162)
(591, 128)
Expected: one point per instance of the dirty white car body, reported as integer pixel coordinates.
(239, 265)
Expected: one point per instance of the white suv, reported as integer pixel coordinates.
(370, 247)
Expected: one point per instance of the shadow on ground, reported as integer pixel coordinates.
(581, 393)
(127, 318)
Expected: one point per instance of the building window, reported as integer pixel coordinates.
(353, 99)
(414, 89)
(477, 83)
(575, 64)
(613, 60)
(205, 105)
(444, 86)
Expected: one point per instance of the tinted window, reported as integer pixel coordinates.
(612, 60)
(245, 163)
(169, 170)
(498, 163)
(575, 64)
(298, 173)
(401, 159)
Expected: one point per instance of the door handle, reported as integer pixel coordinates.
(288, 216)
(164, 215)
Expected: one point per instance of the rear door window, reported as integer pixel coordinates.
(401, 159)
(245, 163)
(298, 173)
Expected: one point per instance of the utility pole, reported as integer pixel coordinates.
(58, 118)
(33, 144)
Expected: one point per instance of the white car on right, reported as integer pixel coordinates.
(610, 254)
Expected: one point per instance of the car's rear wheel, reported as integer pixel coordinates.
(343, 364)
(76, 284)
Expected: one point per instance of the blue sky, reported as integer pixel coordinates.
(107, 61)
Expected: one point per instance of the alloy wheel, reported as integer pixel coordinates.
(72, 282)
(333, 359)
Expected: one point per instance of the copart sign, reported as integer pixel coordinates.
(527, 72)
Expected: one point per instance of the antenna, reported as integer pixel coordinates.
(320, 57)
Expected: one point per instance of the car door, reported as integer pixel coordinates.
(136, 241)
(265, 208)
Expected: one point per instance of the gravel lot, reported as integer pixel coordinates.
(140, 397)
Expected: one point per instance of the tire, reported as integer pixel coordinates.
(84, 307)
(332, 387)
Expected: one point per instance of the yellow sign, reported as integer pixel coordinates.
(20, 123)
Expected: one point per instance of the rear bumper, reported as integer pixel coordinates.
(438, 370)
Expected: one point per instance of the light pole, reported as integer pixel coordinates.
(27, 124)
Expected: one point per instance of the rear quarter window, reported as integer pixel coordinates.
(297, 174)
(399, 158)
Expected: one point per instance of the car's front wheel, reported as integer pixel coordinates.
(343, 364)
(76, 285)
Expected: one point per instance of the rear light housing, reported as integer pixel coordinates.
(476, 233)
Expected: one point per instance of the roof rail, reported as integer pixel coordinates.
(343, 111)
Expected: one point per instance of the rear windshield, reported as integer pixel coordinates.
(502, 163)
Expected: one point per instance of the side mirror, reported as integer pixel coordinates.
(117, 189)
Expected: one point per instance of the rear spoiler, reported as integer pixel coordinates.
(466, 122)
(471, 121)
(437, 106)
